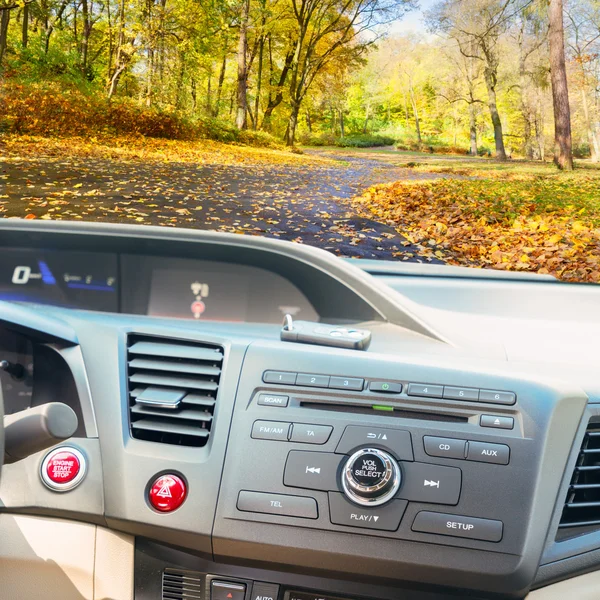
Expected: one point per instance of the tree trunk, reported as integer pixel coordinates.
(290, 134)
(259, 81)
(490, 82)
(342, 127)
(85, 36)
(275, 101)
(242, 77)
(539, 130)
(367, 117)
(25, 27)
(591, 129)
(217, 108)
(209, 92)
(472, 129)
(308, 121)
(563, 145)
(4, 21)
(416, 114)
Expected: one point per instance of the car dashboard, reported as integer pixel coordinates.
(439, 463)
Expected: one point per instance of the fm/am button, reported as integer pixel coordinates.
(271, 430)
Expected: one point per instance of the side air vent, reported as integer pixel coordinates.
(582, 506)
(172, 389)
(181, 585)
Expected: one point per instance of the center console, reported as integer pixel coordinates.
(382, 469)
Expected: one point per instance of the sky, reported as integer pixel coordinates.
(412, 22)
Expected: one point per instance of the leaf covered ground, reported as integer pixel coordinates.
(511, 216)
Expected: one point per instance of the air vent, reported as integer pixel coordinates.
(181, 585)
(172, 389)
(582, 506)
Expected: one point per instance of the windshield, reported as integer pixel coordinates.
(452, 132)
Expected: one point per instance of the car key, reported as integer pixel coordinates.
(323, 334)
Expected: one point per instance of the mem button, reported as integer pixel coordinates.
(227, 590)
(459, 526)
(278, 504)
(270, 430)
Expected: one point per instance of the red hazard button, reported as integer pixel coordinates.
(63, 469)
(167, 493)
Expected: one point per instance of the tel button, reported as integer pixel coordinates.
(167, 493)
(445, 447)
(459, 526)
(498, 454)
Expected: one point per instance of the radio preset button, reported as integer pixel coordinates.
(498, 454)
(459, 526)
(281, 377)
(444, 447)
(460, 393)
(346, 383)
(312, 380)
(423, 389)
(496, 397)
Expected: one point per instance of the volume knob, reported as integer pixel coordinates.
(371, 477)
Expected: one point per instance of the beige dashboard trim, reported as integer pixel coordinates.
(583, 587)
(53, 559)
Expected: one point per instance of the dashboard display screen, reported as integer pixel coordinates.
(86, 280)
(215, 291)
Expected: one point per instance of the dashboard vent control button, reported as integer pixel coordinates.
(395, 440)
(309, 380)
(227, 590)
(423, 482)
(495, 397)
(385, 387)
(310, 434)
(63, 469)
(281, 377)
(271, 430)
(312, 470)
(172, 389)
(460, 393)
(273, 400)
(278, 504)
(423, 389)
(444, 447)
(384, 518)
(459, 526)
(167, 493)
(497, 422)
(346, 383)
(264, 591)
(371, 477)
(498, 454)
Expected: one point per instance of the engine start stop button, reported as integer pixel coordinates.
(63, 469)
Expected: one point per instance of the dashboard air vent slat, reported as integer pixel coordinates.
(582, 505)
(172, 389)
(181, 585)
